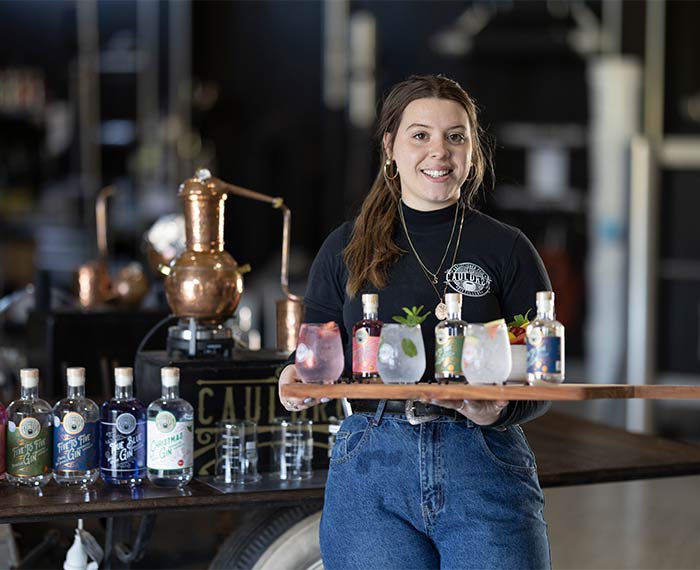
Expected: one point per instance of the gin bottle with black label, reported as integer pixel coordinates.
(123, 439)
(170, 430)
(29, 434)
(75, 434)
(545, 343)
(449, 341)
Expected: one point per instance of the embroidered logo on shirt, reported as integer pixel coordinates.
(469, 279)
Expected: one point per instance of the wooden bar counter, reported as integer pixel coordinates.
(27, 505)
(569, 451)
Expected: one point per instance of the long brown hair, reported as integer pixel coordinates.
(371, 249)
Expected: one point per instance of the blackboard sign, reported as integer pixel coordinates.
(243, 387)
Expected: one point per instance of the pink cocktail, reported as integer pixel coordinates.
(319, 356)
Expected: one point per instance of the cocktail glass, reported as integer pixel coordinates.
(319, 356)
(401, 357)
(486, 357)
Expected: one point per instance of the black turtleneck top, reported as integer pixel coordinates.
(496, 268)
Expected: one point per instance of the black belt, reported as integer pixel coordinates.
(417, 409)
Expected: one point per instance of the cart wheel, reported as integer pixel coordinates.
(273, 539)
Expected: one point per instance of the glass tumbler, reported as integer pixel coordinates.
(319, 355)
(333, 429)
(401, 357)
(236, 452)
(292, 449)
(486, 356)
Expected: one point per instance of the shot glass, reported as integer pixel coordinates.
(292, 449)
(236, 452)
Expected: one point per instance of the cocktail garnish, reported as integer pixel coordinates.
(413, 316)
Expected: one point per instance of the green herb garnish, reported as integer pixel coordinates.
(409, 347)
(520, 320)
(413, 316)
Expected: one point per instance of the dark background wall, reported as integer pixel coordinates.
(269, 130)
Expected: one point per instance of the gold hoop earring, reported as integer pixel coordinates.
(387, 166)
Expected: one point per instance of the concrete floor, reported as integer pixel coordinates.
(651, 524)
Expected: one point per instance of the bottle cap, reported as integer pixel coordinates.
(29, 377)
(370, 302)
(75, 376)
(545, 296)
(545, 300)
(124, 376)
(170, 376)
(453, 302)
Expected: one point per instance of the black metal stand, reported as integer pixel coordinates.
(118, 553)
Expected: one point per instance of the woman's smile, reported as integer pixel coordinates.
(437, 175)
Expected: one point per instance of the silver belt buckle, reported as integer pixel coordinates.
(417, 420)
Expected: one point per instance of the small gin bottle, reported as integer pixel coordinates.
(449, 340)
(365, 341)
(170, 431)
(75, 434)
(545, 343)
(123, 427)
(3, 430)
(29, 434)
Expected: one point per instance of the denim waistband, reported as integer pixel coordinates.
(396, 410)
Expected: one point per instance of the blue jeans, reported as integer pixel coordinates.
(442, 494)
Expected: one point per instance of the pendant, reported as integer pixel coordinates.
(441, 311)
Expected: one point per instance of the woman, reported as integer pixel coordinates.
(442, 484)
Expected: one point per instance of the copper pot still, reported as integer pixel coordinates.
(205, 282)
(94, 285)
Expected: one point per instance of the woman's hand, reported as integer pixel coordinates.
(289, 376)
(481, 412)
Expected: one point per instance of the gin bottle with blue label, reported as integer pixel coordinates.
(75, 434)
(29, 434)
(545, 343)
(123, 434)
(170, 434)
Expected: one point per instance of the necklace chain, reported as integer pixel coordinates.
(433, 276)
(441, 308)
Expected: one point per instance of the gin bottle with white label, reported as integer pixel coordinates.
(545, 343)
(170, 431)
(75, 434)
(29, 434)
(449, 341)
(123, 440)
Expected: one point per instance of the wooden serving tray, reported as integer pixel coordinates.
(509, 392)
